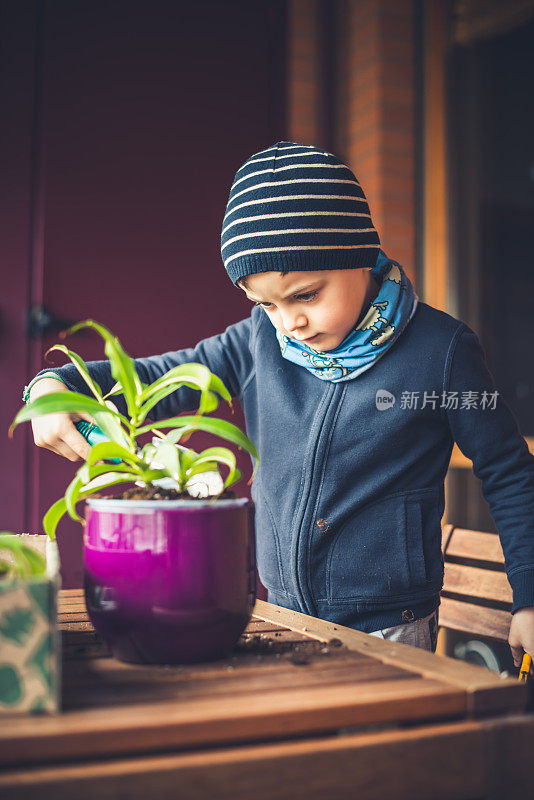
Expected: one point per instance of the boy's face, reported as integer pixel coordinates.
(323, 304)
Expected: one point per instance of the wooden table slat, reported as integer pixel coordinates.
(286, 681)
(203, 721)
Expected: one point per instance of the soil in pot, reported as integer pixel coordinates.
(159, 493)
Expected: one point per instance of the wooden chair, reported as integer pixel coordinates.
(476, 598)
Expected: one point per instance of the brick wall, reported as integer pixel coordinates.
(352, 89)
(304, 57)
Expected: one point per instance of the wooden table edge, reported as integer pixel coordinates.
(487, 692)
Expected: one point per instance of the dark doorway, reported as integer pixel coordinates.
(491, 156)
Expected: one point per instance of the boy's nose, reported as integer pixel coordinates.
(294, 323)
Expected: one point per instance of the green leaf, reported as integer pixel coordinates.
(193, 375)
(28, 562)
(223, 456)
(219, 427)
(147, 452)
(71, 497)
(77, 487)
(87, 473)
(115, 389)
(67, 402)
(168, 455)
(81, 366)
(112, 428)
(186, 457)
(106, 450)
(52, 517)
(37, 561)
(208, 466)
(208, 400)
(22, 566)
(150, 475)
(58, 509)
(122, 366)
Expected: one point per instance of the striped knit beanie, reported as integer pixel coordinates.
(296, 207)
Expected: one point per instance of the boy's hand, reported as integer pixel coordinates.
(56, 432)
(521, 636)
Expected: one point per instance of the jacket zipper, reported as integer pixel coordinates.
(298, 583)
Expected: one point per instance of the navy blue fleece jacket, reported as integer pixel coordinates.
(349, 494)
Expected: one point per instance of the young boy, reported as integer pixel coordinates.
(354, 393)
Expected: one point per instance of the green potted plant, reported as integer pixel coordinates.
(29, 640)
(166, 580)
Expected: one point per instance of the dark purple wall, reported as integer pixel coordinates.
(126, 122)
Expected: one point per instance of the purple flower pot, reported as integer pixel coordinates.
(169, 581)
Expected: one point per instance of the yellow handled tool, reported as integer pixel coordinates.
(525, 667)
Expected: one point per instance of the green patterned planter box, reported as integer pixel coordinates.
(30, 660)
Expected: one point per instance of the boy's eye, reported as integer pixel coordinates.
(307, 297)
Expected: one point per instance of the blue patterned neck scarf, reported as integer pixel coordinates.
(385, 320)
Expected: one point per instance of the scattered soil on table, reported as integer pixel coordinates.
(159, 493)
(299, 653)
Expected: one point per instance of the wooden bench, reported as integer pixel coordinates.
(476, 596)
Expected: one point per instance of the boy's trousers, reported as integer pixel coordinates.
(420, 633)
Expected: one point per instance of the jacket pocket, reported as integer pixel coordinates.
(267, 541)
(414, 541)
(379, 552)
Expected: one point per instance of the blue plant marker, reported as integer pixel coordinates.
(94, 435)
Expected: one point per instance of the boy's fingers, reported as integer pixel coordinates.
(517, 658)
(517, 654)
(83, 415)
(62, 449)
(74, 441)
